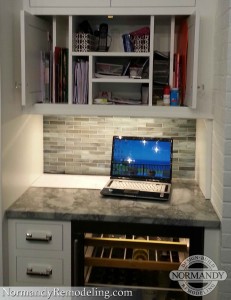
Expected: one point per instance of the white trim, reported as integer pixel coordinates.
(1, 204)
(118, 110)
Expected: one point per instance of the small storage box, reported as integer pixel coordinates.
(141, 43)
(83, 42)
(109, 69)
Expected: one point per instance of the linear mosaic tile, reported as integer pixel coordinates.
(82, 145)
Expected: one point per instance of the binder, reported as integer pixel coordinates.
(61, 75)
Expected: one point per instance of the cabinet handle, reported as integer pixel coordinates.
(46, 273)
(46, 238)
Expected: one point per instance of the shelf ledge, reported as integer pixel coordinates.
(117, 111)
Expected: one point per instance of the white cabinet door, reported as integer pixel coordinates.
(192, 60)
(152, 3)
(34, 39)
(70, 3)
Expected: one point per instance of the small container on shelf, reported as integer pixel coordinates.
(83, 42)
(127, 43)
(166, 95)
(109, 69)
(135, 72)
(174, 97)
(141, 39)
(141, 43)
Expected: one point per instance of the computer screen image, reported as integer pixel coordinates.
(142, 157)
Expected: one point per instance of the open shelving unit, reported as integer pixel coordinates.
(164, 31)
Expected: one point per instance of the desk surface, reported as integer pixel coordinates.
(187, 206)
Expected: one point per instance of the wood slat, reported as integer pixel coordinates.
(131, 264)
(129, 243)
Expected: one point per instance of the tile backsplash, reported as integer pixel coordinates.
(82, 145)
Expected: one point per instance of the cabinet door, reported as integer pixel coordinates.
(34, 39)
(152, 3)
(192, 60)
(69, 3)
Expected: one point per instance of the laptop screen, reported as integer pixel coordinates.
(142, 158)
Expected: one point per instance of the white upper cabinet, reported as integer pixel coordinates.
(166, 37)
(34, 39)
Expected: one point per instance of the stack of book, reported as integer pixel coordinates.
(46, 77)
(80, 81)
(61, 75)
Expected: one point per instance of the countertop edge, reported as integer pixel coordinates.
(133, 220)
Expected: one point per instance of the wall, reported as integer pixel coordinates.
(82, 145)
(1, 269)
(221, 164)
(205, 93)
(21, 135)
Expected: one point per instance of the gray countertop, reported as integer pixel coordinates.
(187, 207)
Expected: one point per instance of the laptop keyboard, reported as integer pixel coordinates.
(137, 185)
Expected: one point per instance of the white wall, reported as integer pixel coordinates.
(204, 94)
(204, 155)
(221, 164)
(1, 269)
(22, 142)
(206, 53)
(1, 205)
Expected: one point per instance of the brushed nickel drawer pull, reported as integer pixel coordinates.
(31, 237)
(46, 273)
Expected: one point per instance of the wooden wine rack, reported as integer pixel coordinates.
(110, 260)
(118, 252)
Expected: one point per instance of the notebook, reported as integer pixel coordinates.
(141, 167)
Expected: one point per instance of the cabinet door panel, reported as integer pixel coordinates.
(69, 3)
(152, 3)
(34, 39)
(192, 60)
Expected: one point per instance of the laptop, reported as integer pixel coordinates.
(141, 167)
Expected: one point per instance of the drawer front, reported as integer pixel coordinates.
(39, 271)
(44, 236)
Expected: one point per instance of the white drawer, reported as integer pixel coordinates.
(37, 236)
(39, 271)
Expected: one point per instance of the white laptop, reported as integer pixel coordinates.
(141, 167)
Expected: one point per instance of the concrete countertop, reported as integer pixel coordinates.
(57, 200)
